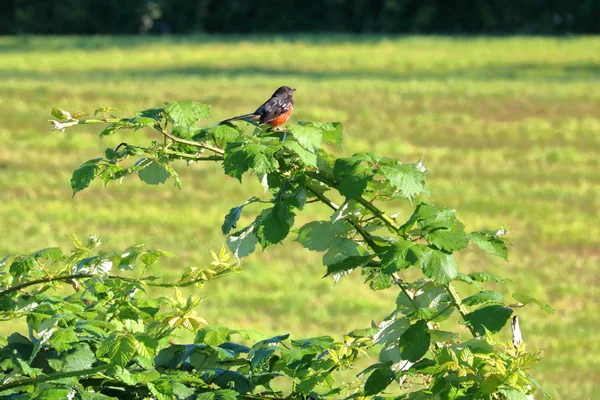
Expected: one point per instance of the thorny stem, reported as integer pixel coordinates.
(190, 142)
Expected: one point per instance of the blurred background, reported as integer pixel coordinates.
(501, 99)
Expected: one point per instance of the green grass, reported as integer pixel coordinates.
(509, 129)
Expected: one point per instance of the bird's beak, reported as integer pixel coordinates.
(292, 90)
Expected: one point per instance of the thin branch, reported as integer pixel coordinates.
(78, 276)
(55, 376)
(190, 142)
(193, 157)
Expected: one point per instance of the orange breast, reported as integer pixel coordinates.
(282, 119)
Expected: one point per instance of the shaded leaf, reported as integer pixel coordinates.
(493, 318)
(439, 266)
(154, 174)
(489, 243)
(379, 380)
(414, 342)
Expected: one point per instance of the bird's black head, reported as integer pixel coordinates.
(284, 91)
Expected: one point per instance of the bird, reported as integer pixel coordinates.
(274, 112)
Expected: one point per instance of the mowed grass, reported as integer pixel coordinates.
(508, 128)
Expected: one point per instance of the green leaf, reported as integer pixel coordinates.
(439, 266)
(119, 348)
(50, 253)
(224, 134)
(322, 235)
(331, 131)
(186, 112)
(414, 342)
(235, 161)
(78, 357)
(527, 299)
(53, 394)
(485, 296)
(234, 215)
(449, 239)
(513, 394)
(224, 394)
(490, 384)
(485, 277)
(154, 174)
(213, 336)
(348, 264)
(94, 396)
(489, 243)
(60, 114)
(84, 175)
(308, 136)
(379, 380)
(443, 336)
(306, 156)
(353, 176)
(275, 224)
(492, 318)
(409, 179)
(21, 266)
(63, 338)
(242, 243)
(401, 255)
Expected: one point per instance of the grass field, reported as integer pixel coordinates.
(508, 128)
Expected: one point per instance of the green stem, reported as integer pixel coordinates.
(192, 157)
(78, 276)
(190, 142)
(55, 376)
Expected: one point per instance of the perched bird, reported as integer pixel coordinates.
(274, 112)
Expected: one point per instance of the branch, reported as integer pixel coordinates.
(55, 376)
(190, 142)
(77, 276)
(193, 157)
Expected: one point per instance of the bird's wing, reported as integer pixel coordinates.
(272, 109)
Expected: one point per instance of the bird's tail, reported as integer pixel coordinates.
(239, 117)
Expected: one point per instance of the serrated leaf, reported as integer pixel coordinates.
(379, 380)
(224, 134)
(407, 178)
(50, 253)
(485, 296)
(154, 174)
(353, 176)
(119, 348)
(322, 235)
(490, 244)
(186, 112)
(306, 156)
(492, 318)
(439, 266)
(275, 224)
(62, 339)
(490, 384)
(213, 336)
(242, 243)
(527, 299)
(414, 342)
(331, 131)
(466, 356)
(84, 175)
(308, 136)
(449, 239)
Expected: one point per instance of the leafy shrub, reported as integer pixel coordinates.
(103, 338)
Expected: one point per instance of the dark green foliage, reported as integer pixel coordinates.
(352, 16)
